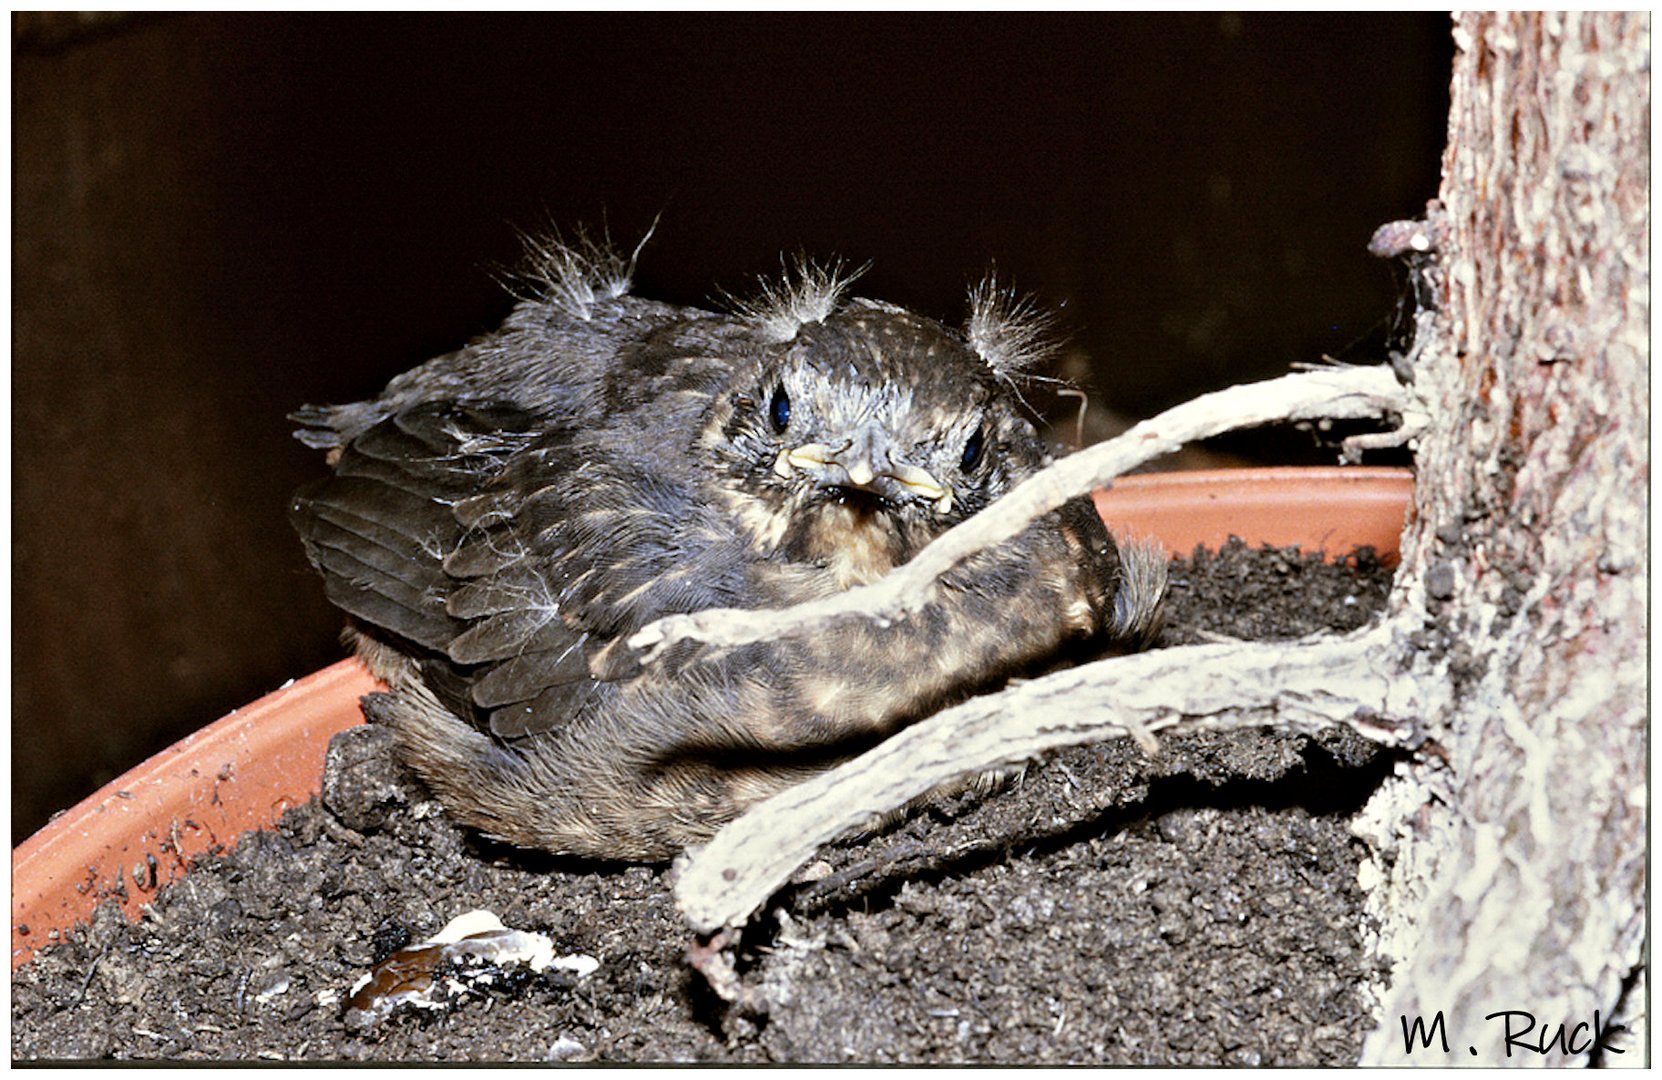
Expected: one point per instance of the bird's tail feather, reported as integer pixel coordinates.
(1140, 603)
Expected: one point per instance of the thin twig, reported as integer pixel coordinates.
(86, 983)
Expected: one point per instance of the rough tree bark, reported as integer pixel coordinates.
(1520, 609)
(1508, 875)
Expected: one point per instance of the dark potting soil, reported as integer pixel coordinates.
(1200, 907)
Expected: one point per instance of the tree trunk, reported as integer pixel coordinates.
(1520, 612)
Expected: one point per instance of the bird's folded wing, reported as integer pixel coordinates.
(510, 556)
(571, 546)
(380, 531)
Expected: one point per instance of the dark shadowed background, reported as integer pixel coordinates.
(217, 218)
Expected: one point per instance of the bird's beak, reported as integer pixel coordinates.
(864, 463)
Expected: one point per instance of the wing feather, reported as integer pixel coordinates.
(512, 544)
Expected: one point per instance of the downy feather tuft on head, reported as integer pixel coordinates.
(1010, 332)
(573, 277)
(806, 292)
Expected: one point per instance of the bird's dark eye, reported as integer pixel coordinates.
(974, 448)
(779, 409)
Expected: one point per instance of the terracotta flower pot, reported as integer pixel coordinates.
(140, 831)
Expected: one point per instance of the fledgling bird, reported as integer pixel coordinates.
(502, 518)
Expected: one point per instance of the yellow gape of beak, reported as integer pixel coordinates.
(857, 470)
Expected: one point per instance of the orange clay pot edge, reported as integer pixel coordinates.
(139, 832)
(1328, 510)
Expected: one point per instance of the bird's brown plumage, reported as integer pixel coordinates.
(502, 518)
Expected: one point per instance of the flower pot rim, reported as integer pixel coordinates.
(1328, 509)
(241, 772)
(139, 831)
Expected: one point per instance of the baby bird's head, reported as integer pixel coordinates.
(865, 431)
